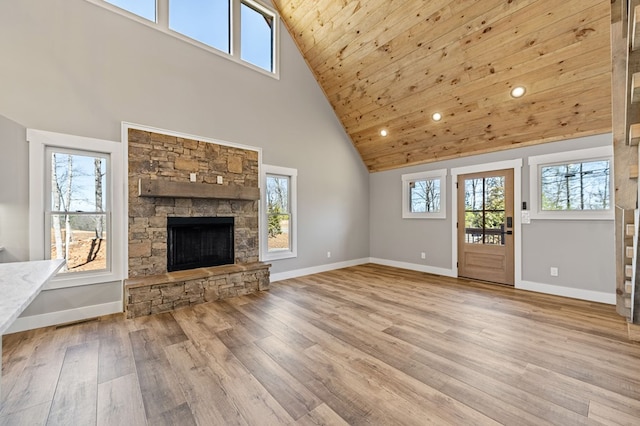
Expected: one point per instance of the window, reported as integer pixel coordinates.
(279, 213)
(241, 30)
(72, 200)
(256, 36)
(204, 21)
(424, 195)
(77, 214)
(572, 185)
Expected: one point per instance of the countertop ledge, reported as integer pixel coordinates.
(20, 283)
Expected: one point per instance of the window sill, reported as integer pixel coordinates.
(565, 215)
(62, 281)
(279, 255)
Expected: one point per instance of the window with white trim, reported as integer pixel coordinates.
(72, 183)
(424, 195)
(243, 30)
(572, 185)
(279, 216)
(76, 209)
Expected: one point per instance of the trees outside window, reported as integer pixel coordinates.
(78, 213)
(575, 186)
(424, 195)
(76, 206)
(484, 214)
(572, 185)
(279, 217)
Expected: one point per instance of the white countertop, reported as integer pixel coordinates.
(20, 283)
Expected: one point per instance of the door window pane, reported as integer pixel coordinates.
(256, 37)
(206, 21)
(143, 8)
(485, 210)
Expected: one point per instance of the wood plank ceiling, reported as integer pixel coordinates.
(391, 64)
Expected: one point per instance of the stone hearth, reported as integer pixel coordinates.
(160, 187)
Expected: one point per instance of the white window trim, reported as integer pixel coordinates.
(265, 255)
(162, 25)
(39, 140)
(582, 155)
(428, 175)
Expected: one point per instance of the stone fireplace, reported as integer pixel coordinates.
(193, 223)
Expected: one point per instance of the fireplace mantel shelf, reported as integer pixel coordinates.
(169, 189)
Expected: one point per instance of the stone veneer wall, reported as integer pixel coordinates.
(167, 292)
(159, 156)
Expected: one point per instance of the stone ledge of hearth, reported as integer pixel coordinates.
(193, 274)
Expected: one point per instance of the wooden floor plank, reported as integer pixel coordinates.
(39, 378)
(34, 415)
(243, 390)
(120, 402)
(203, 389)
(74, 402)
(368, 344)
(290, 394)
(19, 347)
(321, 415)
(158, 384)
(116, 356)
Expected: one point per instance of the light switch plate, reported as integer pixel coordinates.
(219, 180)
(526, 216)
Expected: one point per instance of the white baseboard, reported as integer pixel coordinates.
(574, 293)
(316, 269)
(62, 317)
(414, 267)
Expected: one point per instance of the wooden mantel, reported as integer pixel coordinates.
(164, 188)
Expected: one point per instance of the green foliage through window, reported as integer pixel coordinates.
(484, 210)
(278, 213)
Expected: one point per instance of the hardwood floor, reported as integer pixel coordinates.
(362, 345)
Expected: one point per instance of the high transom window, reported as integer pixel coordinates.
(243, 30)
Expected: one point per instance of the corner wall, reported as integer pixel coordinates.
(582, 250)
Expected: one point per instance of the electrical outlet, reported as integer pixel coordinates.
(554, 271)
(423, 255)
(219, 180)
(328, 254)
(192, 177)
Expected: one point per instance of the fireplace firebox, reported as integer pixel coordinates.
(196, 242)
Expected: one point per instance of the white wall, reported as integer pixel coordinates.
(72, 67)
(582, 250)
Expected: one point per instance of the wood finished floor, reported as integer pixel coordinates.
(362, 345)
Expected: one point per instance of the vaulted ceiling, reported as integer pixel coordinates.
(391, 64)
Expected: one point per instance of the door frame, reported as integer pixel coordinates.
(516, 166)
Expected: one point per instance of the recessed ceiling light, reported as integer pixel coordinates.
(518, 91)
(436, 116)
(383, 132)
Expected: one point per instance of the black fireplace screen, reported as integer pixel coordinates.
(195, 242)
